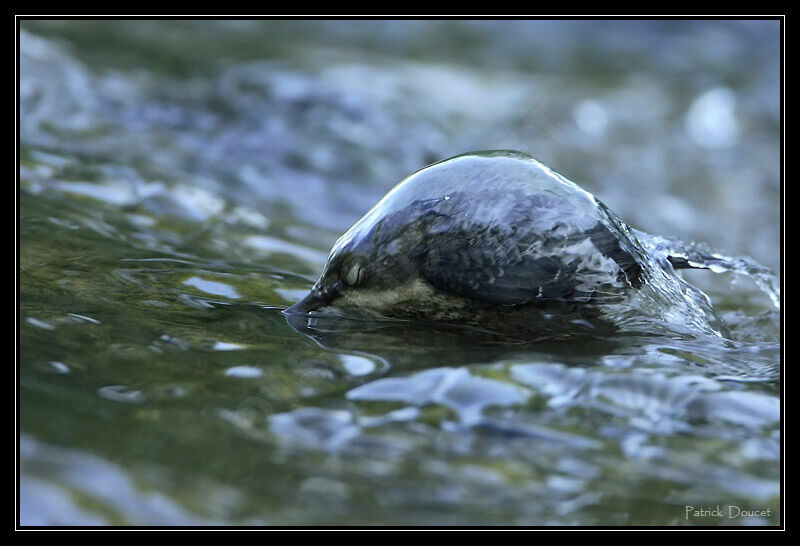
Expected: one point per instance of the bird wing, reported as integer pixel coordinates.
(522, 261)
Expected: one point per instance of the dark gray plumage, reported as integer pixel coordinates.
(492, 263)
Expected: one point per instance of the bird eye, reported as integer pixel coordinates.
(354, 275)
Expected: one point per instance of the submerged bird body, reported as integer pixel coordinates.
(483, 237)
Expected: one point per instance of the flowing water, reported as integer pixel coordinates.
(182, 182)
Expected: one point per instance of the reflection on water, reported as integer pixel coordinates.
(181, 183)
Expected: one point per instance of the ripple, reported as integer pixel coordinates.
(226, 346)
(316, 427)
(122, 393)
(244, 372)
(40, 323)
(455, 388)
(652, 396)
(357, 365)
(213, 287)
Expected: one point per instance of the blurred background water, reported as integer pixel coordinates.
(181, 182)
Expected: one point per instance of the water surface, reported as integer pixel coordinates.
(181, 184)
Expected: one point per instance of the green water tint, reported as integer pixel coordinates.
(160, 238)
(181, 374)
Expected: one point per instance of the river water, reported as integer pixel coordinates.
(182, 182)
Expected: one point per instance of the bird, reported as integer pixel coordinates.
(491, 238)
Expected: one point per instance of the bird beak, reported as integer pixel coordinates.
(313, 301)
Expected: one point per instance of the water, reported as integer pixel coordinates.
(182, 183)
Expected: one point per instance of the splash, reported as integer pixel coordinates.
(699, 256)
